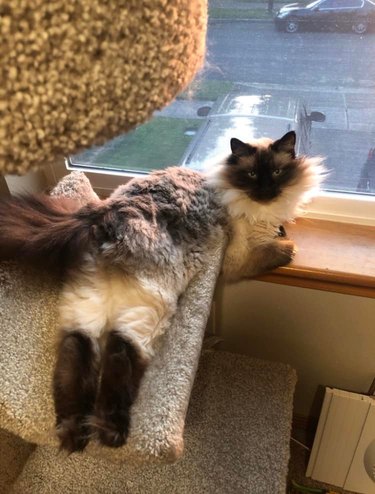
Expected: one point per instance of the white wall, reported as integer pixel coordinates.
(328, 338)
(34, 181)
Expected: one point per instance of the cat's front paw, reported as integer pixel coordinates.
(284, 253)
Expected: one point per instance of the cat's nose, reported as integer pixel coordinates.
(265, 195)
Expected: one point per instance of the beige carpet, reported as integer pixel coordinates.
(80, 73)
(14, 453)
(236, 441)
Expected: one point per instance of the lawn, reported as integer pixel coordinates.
(250, 9)
(250, 13)
(158, 143)
(155, 145)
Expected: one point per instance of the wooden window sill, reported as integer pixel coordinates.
(336, 257)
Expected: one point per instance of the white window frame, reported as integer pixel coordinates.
(351, 208)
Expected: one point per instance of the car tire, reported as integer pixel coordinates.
(359, 27)
(291, 25)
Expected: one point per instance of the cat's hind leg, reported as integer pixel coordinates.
(74, 388)
(141, 312)
(122, 369)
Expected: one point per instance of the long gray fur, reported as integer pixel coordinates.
(29, 325)
(154, 222)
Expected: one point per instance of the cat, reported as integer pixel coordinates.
(263, 185)
(128, 259)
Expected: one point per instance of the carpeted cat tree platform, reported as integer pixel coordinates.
(29, 329)
(235, 438)
(236, 434)
(76, 74)
(236, 441)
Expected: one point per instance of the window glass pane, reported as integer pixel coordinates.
(291, 69)
(353, 3)
(314, 4)
(157, 144)
(329, 4)
(349, 3)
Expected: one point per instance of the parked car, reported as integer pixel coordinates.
(356, 15)
(249, 115)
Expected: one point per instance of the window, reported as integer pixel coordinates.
(330, 4)
(263, 79)
(313, 4)
(341, 4)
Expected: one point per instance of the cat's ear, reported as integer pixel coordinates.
(286, 144)
(240, 148)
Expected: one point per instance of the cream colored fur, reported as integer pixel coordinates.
(97, 299)
(253, 246)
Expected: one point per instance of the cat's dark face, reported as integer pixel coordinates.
(263, 171)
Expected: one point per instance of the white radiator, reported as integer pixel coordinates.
(343, 453)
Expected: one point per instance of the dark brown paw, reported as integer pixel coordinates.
(279, 254)
(73, 433)
(112, 430)
(286, 253)
(122, 371)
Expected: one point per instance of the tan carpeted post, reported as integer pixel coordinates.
(79, 72)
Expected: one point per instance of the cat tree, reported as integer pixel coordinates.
(78, 73)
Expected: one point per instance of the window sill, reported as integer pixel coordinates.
(336, 257)
(332, 256)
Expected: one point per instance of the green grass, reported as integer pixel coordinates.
(253, 13)
(222, 2)
(158, 143)
(155, 145)
(206, 90)
(229, 2)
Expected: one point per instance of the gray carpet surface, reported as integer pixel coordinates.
(236, 440)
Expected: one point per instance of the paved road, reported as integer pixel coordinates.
(334, 72)
(256, 52)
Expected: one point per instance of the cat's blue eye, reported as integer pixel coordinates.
(252, 174)
(277, 171)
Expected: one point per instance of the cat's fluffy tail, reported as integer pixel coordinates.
(44, 228)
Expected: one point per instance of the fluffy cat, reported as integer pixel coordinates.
(263, 184)
(129, 258)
